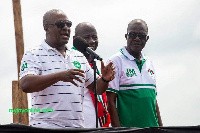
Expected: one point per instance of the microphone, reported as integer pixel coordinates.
(82, 45)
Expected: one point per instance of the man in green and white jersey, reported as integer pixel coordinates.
(132, 94)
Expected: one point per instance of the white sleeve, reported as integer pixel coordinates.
(114, 84)
(89, 74)
(29, 65)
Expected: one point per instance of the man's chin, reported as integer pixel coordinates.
(92, 48)
(64, 42)
(138, 50)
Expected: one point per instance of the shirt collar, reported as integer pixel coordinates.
(47, 47)
(128, 56)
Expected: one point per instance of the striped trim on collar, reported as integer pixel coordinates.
(128, 56)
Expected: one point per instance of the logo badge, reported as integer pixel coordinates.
(77, 64)
(24, 66)
(130, 72)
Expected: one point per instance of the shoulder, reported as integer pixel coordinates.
(116, 57)
(147, 58)
(34, 51)
(76, 53)
(149, 62)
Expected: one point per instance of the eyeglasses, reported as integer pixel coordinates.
(134, 35)
(61, 24)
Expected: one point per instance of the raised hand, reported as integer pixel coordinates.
(71, 74)
(108, 73)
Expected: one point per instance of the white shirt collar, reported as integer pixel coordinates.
(130, 57)
(47, 47)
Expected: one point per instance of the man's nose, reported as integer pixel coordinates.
(66, 27)
(91, 41)
(137, 38)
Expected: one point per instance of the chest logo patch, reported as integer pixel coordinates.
(150, 71)
(77, 64)
(130, 72)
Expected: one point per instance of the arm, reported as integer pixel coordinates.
(101, 86)
(158, 115)
(35, 83)
(112, 109)
(107, 74)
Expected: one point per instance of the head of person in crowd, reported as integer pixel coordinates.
(57, 27)
(136, 36)
(88, 32)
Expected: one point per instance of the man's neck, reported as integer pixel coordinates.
(60, 48)
(136, 55)
(87, 55)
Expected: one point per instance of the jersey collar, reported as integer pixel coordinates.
(128, 56)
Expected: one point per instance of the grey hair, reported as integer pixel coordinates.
(49, 14)
(135, 21)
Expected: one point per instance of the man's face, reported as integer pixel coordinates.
(90, 35)
(136, 37)
(58, 36)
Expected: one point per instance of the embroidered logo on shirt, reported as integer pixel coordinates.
(24, 66)
(130, 72)
(77, 64)
(150, 71)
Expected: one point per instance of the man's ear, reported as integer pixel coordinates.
(74, 37)
(147, 38)
(46, 28)
(126, 36)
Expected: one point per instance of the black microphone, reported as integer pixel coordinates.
(82, 45)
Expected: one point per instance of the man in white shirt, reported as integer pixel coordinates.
(88, 32)
(55, 76)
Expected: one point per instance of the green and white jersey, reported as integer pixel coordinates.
(135, 86)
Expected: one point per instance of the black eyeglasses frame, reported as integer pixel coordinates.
(61, 24)
(134, 35)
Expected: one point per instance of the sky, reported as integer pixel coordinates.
(173, 46)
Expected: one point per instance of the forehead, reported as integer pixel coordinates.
(137, 27)
(86, 30)
(58, 17)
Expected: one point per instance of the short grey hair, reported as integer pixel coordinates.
(135, 21)
(49, 14)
